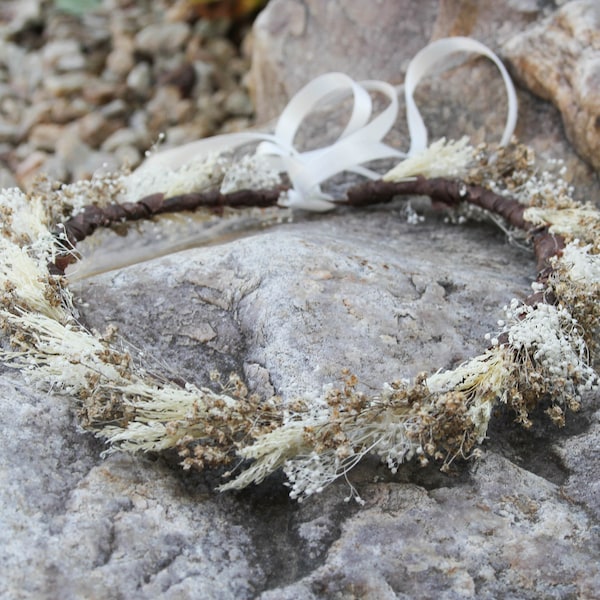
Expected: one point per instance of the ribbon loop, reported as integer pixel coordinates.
(422, 64)
(360, 142)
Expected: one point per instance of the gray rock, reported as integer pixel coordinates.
(454, 103)
(294, 41)
(17, 14)
(166, 107)
(307, 300)
(115, 108)
(74, 526)
(25, 69)
(28, 169)
(121, 59)
(581, 459)
(504, 534)
(288, 307)
(94, 128)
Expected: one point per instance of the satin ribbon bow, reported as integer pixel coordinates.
(361, 140)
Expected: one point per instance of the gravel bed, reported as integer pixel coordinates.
(90, 91)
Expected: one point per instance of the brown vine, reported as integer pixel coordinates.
(448, 192)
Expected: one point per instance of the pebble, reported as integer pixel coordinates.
(65, 110)
(27, 170)
(121, 60)
(99, 91)
(204, 77)
(70, 147)
(128, 156)
(44, 136)
(6, 178)
(55, 51)
(167, 107)
(64, 85)
(160, 38)
(9, 132)
(99, 87)
(238, 103)
(116, 108)
(96, 162)
(122, 137)
(94, 128)
(140, 78)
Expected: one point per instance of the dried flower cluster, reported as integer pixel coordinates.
(542, 351)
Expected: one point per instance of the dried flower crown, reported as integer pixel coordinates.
(542, 352)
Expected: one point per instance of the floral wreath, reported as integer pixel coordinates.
(542, 353)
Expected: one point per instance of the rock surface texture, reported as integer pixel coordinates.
(289, 307)
(535, 38)
(297, 40)
(559, 60)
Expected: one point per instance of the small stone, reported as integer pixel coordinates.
(7, 179)
(207, 105)
(121, 137)
(55, 50)
(204, 77)
(94, 163)
(55, 169)
(100, 92)
(71, 62)
(235, 125)
(38, 112)
(238, 103)
(65, 110)
(9, 132)
(128, 156)
(221, 49)
(140, 79)
(94, 128)
(138, 121)
(116, 108)
(70, 148)
(162, 38)
(12, 108)
(18, 14)
(29, 168)
(166, 107)
(64, 85)
(121, 60)
(182, 77)
(200, 127)
(44, 136)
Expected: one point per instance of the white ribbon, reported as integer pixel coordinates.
(359, 143)
(423, 63)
